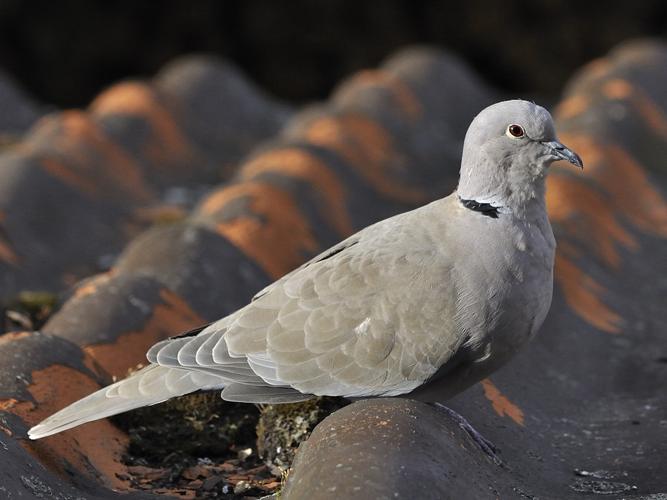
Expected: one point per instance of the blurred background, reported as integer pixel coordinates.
(64, 52)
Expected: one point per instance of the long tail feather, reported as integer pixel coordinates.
(148, 386)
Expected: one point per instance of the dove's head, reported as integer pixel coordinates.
(507, 151)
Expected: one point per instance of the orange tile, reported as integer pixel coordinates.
(140, 100)
(302, 165)
(91, 285)
(98, 444)
(92, 159)
(584, 295)
(169, 318)
(502, 405)
(403, 96)
(585, 214)
(369, 149)
(619, 89)
(260, 234)
(572, 107)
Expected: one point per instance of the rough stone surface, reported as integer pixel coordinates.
(394, 448)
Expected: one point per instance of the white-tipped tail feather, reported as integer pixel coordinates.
(148, 386)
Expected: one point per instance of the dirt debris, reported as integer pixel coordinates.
(199, 446)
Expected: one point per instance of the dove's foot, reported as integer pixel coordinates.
(486, 446)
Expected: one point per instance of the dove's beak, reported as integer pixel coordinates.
(561, 152)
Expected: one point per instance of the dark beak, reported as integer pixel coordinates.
(560, 152)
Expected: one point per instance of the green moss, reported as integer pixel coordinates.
(34, 301)
(281, 428)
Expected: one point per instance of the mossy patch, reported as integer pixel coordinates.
(281, 428)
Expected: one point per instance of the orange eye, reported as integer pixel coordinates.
(515, 131)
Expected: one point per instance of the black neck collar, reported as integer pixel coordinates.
(483, 208)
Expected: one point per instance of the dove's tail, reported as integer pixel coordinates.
(148, 386)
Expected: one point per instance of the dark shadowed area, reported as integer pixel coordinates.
(65, 52)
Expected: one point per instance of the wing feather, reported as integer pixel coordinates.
(187, 356)
(358, 319)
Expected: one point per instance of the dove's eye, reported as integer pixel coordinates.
(515, 131)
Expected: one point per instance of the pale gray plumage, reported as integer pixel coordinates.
(427, 302)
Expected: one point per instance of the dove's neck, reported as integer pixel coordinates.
(521, 194)
(525, 200)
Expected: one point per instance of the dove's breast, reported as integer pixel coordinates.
(504, 284)
(529, 274)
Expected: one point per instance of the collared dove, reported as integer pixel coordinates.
(423, 304)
